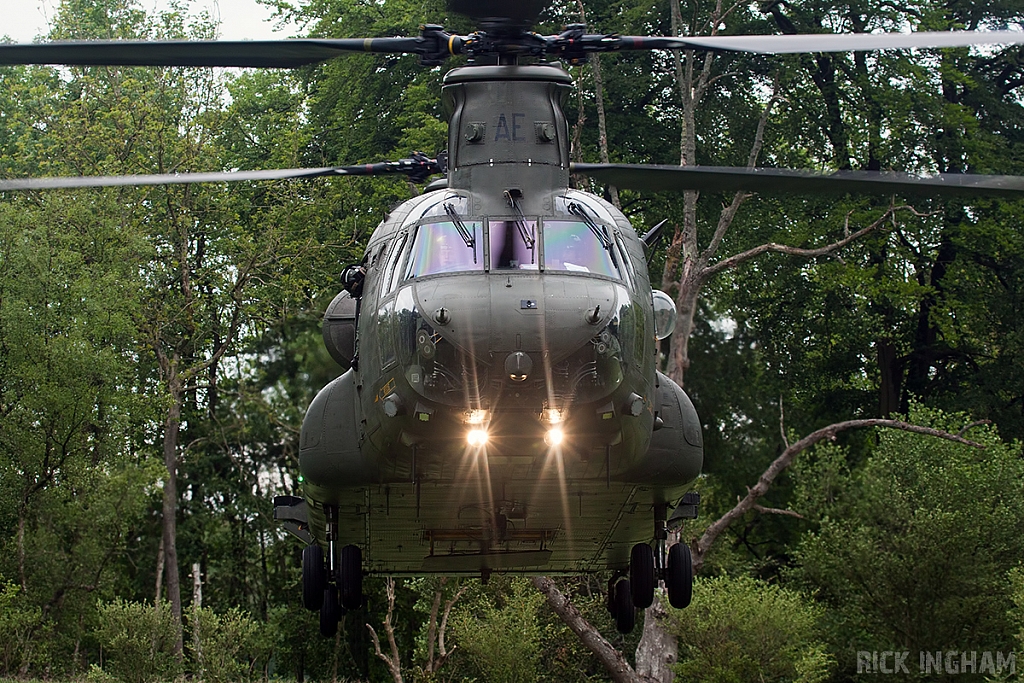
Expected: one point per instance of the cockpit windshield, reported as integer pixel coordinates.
(573, 246)
(513, 244)
(446, 247)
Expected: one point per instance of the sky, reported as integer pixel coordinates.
(23, 20)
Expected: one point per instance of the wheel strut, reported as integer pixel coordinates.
(331, 513)
(660, 539)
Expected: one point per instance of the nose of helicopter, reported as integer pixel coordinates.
(521, 325)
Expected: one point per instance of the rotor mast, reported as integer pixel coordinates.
(508, 132)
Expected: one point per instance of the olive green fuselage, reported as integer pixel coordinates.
(503, 409)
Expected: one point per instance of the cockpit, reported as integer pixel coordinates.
(459, 244)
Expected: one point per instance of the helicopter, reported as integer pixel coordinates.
(500, 407)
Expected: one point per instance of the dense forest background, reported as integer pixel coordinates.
(158, 347)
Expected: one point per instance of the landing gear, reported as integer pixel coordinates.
(350, 577)
(642, 576)
(625, 611)
(679, 576)
(314, 577)
(332, 582)
(330, 612)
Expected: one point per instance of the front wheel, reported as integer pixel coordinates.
(314, 577)
(641, 575)
(679, 577)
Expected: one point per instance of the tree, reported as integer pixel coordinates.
(896, 549)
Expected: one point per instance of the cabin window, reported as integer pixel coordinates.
(575, 247)
(390, 279)
(513, 244)
(446, 248)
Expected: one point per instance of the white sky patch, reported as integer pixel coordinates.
(25, 20)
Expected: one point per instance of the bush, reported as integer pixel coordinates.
(742, 629)
(912, 549)
(498, 632)
(138, 641)
(228, 647)
(19, 631)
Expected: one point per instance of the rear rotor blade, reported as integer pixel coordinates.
(242, 53)
(824, 42)
(776, 180)
(417, 168)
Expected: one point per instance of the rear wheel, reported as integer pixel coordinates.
(625, 613)
(611, 595)
(314, 577)
(330, 612)
(350, 581)
(679, 576)
(641, 575)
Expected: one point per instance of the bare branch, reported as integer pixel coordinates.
(782, 423)
(729, 213)
(394, 661)
(972, 425)
(786, 459)
(613, 661)
(737, 259)
(432, 624)
(444, 623)
(776, 511)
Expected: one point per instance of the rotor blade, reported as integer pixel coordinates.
(244, 53)
(779, 180)
(415, 168)
(521, 13)
(823, 42)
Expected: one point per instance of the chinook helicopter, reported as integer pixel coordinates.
(500, 408)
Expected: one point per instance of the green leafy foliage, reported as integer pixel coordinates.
(138, 641)
(912, 550)
(19, 622)
(499, 633)
(744, 629)
(228, 647)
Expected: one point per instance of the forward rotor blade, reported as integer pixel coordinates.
(417, 169)
(521, 13)
(281, 54)
(824, 42)
(777, 180)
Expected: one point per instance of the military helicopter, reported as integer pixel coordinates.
(500, 408)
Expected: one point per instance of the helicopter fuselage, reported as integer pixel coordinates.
(501, 408)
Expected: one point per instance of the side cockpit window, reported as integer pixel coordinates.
(446, 247)
(574, 246)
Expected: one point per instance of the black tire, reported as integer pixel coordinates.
(350, 579)
(611, 596)
(314, 577)
(641, 575)
(330, 613)
(625, 613)
(679, 577)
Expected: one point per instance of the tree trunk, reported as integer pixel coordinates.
(658, 649)
(170, 504)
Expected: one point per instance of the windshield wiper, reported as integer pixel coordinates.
(468, 237)
(599, 232)
(529, 239)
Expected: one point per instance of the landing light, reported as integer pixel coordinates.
(552, 415)
(554, 437)
(476, 437)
